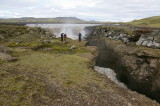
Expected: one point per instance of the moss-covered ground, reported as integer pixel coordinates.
(53, 74)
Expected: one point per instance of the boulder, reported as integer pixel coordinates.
(4, 49)
(7, 57)
(149, 44)
(156, 45)
(1, 37)
(145, 43)
(47, 41)
(73, 47)
(139, 42)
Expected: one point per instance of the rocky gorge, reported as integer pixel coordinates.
(133, 53)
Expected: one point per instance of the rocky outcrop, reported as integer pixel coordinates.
(137, 66)
(151, 40)
(139, 36)
(4, 54)
(9, 31)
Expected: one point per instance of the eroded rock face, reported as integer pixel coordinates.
(139, 36)
(151, 40)
(137, 66)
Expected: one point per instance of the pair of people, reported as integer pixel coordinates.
(63, 36)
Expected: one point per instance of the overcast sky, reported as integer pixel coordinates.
(99, 10)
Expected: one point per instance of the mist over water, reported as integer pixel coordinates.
(71, 30)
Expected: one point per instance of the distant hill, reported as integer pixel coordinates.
(147, 22)
(44, 20)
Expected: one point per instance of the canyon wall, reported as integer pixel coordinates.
(137, 65)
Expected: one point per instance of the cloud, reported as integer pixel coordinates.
(71, 4)
(101, 10)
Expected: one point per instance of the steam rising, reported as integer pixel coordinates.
(71, 30)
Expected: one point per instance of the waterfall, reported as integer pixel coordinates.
(71, 30)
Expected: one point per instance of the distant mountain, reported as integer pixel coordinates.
(147, 22)
(44, 20)
(70, 19)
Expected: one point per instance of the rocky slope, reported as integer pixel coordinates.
(137, 66)
(149, 37)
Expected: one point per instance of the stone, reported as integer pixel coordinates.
(149, 44)
(150, 38)
(138, 43)
(47, 41)
(73, 47)
(7, 57)
(133, 99)
(4, 49)
(121, 35)
(125, 39)
(106, 35)
(114, 38)
(144, 43)
(156, 45)
(1, 37)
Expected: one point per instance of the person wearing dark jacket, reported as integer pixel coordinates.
(62, 34)
(65, 36)
(79, 36)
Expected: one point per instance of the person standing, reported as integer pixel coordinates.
(62, 34)
(65, 37)
(79, 36)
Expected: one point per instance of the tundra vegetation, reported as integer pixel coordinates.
(38, 69)
(147, 22)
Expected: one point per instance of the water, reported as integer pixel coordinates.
(110, 74)
(71, 30)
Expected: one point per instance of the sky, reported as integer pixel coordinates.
(97, 10)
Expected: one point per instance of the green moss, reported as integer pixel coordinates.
(2, 62)
(125, 30)
(147, 22)
(68, 83)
